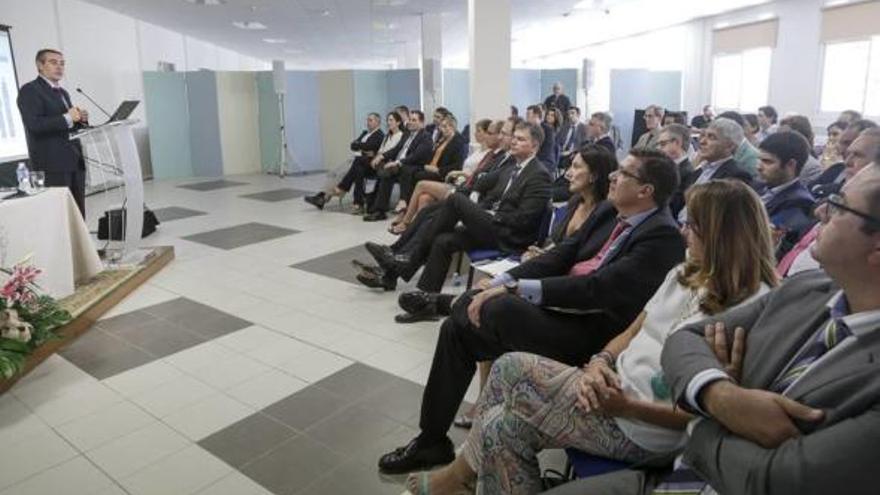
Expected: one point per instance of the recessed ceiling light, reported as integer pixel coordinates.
(275, 41)
(249, 25)
(208, 3)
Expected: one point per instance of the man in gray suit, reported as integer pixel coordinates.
(804, 416)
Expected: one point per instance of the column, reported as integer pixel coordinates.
(432, 63)
(489, 29)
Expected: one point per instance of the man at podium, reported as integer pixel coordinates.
(49, 118)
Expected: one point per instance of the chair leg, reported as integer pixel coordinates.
(470, 280)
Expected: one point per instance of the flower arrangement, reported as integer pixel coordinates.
(27, 317)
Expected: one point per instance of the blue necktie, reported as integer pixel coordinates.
(832, 334)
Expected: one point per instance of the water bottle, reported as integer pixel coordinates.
(24, 177)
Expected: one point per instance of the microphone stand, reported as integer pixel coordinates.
(80, 91)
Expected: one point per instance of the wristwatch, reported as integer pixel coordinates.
(511, 287)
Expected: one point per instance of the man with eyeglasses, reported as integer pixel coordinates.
(802, 416)
(653, 122)
(674, 141)
(565, 304)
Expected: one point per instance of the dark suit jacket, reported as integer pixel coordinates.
(622, 286)
(838, 453)
(561, 102)
(485, 180)
(699, 122)
(578, 137)
(371, 145)
(452, 157)
(549, 152)
(42, 112)
(825, 184)
(727, 170)
(608, 144)
(685, 170)
(419, 151)
(519, 211)
(792, 210)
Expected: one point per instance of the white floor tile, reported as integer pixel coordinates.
(126, 455)
(250, 338)
(359, 346)
(183, 473)
(17, 422)
(91, 431)
(315, 365)
(52, 378)
(229, 372)
(265, 389)
(143, 378)
(397, 359)
(235, 484)
(281, 351)
(143, 296)
(199, 356)
(208, 416)
(31, 455)
(77, 402)
(173, 396)
(77, 476)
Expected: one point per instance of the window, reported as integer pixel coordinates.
(741, 81)
(851, 76)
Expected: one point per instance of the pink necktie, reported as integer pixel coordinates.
(787, 260)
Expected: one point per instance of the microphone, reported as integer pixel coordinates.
(80, 91)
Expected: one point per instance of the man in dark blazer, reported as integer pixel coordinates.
(548, 152)
(448, 154)
(510, 225)
(413, 151)
(673, 142)
(564, 304)
(857, 146)
(49, 119)
(703, 120)
(801, 413)
(599, 131)
(558, 99)
(433, 129)
(571, 137)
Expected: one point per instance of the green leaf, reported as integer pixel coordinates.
(14, 346)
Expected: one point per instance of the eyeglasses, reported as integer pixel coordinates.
(664, 142)
(626, 173)
(835, 204)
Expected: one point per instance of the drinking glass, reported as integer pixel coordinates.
(38, 180)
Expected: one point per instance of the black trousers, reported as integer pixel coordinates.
(359, 171)
(382, 198)
(508, 323)
(408, 242)
(75, 181)
(443, 238)
(410, 176)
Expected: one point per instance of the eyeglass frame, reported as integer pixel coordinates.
(626, 173)
(837, 202)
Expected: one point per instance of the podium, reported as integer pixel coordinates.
(111, 149)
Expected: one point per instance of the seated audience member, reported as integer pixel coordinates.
(547, 154)
(830, 152)
(849, 116)
(674, 118)
(653, 121)
(718, 142)
(511, 225)
(391, 140)
(767, 118)
(751, 128)
(476, 155)
(403, 111)
(428, 192)
(588, 180)
(365, 148)
(446, 157)
(801, 417)
(413, 151)
(673, 142)
(702, 120)
(565, 304)
(617, 405)
(572, 137)
(830, 181)
(789, 204)
(801, 125)
(433, 129)
(746, 155)
(599, 131)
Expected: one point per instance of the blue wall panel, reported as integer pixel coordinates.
(269, 120)
(204, 130)
(370, 95)
(568, 78)
(638, 88)
(456, 95)
(302, 110)
(166, 111)
(525, 88)
(403, 88)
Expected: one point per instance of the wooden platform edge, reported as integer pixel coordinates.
(83, 322)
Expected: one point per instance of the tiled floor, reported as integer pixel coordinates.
(276, 195)
(171, 213)
(252, 364)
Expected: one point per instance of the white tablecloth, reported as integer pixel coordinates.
(48, 227)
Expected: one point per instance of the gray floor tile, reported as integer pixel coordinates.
(306, 407)
(357, 381)
(400, 402)
(175, 307)
(162, 338)
(353, 477)
(351, 428)
(217, 325)
(212, 185)
(92, 344)
(368, 455)
(240, 235)
(126, 320)
(292, 466)
(106, 365)
(276, 195)
(244, 441)
(171, 213)
(338, 264)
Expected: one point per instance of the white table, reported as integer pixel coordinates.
(49, 228)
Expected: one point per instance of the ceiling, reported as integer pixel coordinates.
(321, 34)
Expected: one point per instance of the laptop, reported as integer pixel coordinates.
(124, 110)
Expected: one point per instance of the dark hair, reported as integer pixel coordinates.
(800, 124)
(396, 116)
(601, 163)
(514, 112)
(677, 117)
(557, 115)
(401, 108)
(374, 114)
(45, 51)
(770, 112)
(734, 116)
(659, 171)
(575, 108)
(537, 110)
(852, 114)
(862, 124)
(534, 130)
(839, 124)
(420, 114)
(785, 146)
(443, 111)
(751, 119)
(680, 132)
(483, 124)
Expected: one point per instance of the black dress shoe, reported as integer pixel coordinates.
(317, 200)
(417, 301)
(379, 251)
(367, 268)
(427, 315)
(390, 262)
(415, 457)
(373, 281)
(376, 216)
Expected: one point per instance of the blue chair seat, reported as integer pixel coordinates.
(585, 465)
(478, 255)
